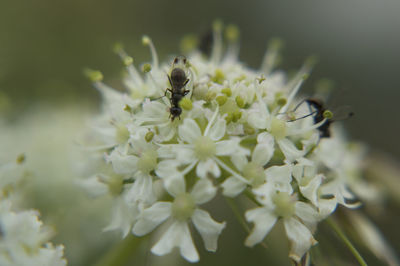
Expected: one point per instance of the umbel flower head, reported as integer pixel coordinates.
(172, 141)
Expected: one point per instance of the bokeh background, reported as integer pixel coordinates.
(45, 45)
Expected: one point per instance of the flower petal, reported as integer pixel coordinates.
(189, 131)
(175, 185)
(289, 149)
(262, 153)
(307, 214)
(203, 191)
(208, 166)
(152, 217)
(280, 176)
(226, 147)
(217, 131)
(310, 191)
(263, 220)
(208, 228)
(232, 186)
(122, 164)
(177, 235)
(123, 216)
(300, 238)
(141, 190)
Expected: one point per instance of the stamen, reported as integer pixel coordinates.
(216, 52)
(232, 35)
(211, 121)
(229, 170)
(271, 56)
(148, 42)
(128, 62)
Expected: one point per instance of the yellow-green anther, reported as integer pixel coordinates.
(21, 158)
(218, 77)
(127, 108)
(275, 44)
(127, 60)
(327, 114)
(186, 104)
(145, 40)
(146, 68)
(221, 100)
(118, 47)
(149, 136)
(210, 96)
(305, 76)
(232, 33)
(281, 101)
(93, 75)
(239, 101)
(261, 79)
(228, 117)
(236, 116)
(311, 61)
(227, 91)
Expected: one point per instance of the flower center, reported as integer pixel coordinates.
(204, 148)
(284, 205)
(147, 161)
(254, 173)
(183, 207)
(278, 128)
(122, 134)
(115, 184)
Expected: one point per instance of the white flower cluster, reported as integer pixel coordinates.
(23, 239)
(238, 133)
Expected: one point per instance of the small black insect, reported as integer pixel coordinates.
(178, 81)
(317, 110)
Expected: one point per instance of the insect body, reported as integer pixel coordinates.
(319, 114)
(178, 81)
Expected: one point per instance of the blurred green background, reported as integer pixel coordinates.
(45, 44)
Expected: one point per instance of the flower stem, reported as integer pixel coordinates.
(121, 253)
(346, 241)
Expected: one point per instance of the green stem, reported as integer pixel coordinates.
(121, 253)
(347, 242)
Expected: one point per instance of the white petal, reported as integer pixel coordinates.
(208, 166)
(289, 149)
(300, 238)
(177, 235)
(280, 177)
(123, 216)
(326, 207)
(152, 217)
(175, 185)
(262, 153)
(263, 220)
(307, 214)
(232, 187)
(93, 186)
(266, 138)
(122, 164)
(239, 161)
(141, 190)
(208, 228)
(226, 147)
(310, 191)
(189, 131)
(203, 191)
(217, 131)
(167, 169)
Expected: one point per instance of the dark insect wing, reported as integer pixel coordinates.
(342, 113)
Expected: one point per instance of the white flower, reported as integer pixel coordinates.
(298, 219)
(24, 240)
(183, 208)
(203, 149)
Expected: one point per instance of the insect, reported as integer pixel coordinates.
(178, 81)
(318, 110)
